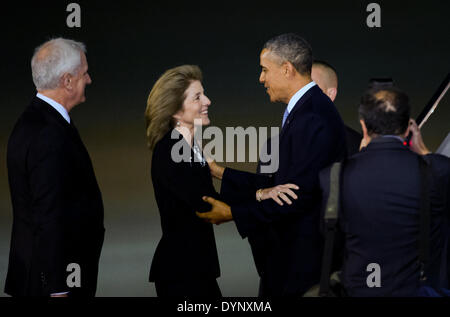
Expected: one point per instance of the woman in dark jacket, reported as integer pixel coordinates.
(185, 262)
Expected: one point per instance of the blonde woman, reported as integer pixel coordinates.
(185, 261)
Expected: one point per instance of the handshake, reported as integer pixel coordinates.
(221, 212)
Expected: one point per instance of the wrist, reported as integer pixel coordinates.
(217, 171)
(259, 195)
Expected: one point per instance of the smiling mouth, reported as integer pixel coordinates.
(205, 112)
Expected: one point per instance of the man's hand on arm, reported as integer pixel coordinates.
(278, 193)
(220, 212)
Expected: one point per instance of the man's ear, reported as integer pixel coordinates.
(364, 128)
(288, 69)
(366, 138)
(332, 92)
(66, 81)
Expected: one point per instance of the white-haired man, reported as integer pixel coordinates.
(58, 230)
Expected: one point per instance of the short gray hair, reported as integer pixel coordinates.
(292, 48)
(53, 59)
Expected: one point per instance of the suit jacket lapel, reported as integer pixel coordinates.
(297, 106)
(50, 113)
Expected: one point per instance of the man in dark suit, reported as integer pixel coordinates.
(312, 137)
(325, 76)
(381, 195)
(58, 230)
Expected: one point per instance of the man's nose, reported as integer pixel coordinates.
(261, 78)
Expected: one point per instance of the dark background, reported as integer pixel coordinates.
(130, 43)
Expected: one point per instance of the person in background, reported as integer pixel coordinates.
(381, 195)
(325, 76)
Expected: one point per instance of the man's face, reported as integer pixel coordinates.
(79, 82)
(272, 76)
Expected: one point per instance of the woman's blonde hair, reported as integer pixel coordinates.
(166, 98)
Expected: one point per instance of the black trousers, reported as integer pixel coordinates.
(188, 288)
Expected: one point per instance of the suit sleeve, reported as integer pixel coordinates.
(441, 173)
(310, 143)
(49, 187)
(239, 186)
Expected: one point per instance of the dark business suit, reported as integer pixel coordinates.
(264, 236)
(312, 138)
(380, 218)
(185, 262)
(353, 140)
(57, 206)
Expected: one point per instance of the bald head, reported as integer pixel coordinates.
(386, 100)
(385, 111)
(325, 77)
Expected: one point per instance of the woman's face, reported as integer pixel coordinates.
(195, 106)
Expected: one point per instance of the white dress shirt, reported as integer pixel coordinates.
(296, 97)
(58, 107)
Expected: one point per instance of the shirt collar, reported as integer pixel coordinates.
(296, 97)
(393, 136)
(57, 106)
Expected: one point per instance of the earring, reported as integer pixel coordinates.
(178, 123)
